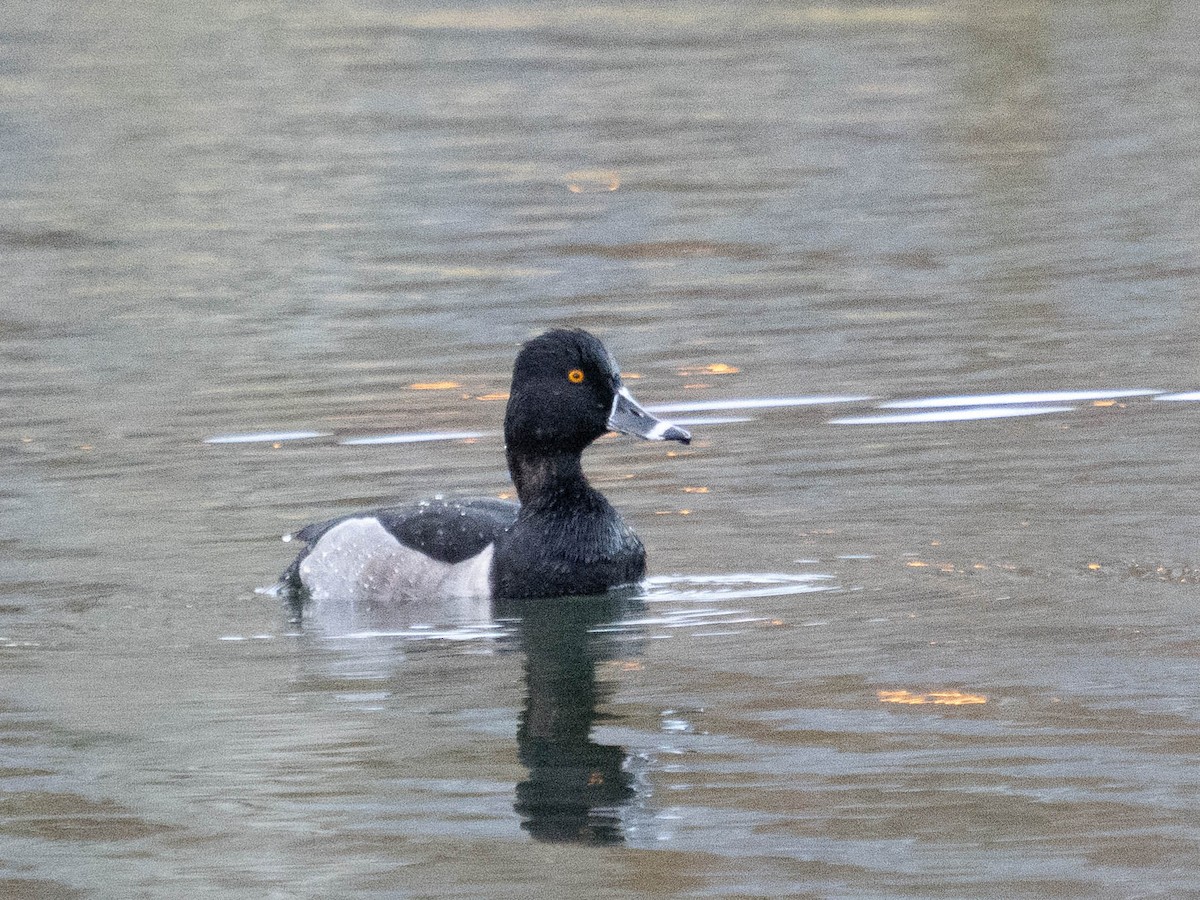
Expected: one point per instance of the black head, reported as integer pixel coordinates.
(566, 392)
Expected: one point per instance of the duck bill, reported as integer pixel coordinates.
(628, 417)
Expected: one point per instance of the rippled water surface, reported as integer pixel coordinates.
(922, 618)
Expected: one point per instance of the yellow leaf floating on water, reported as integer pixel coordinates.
(435, 385)
(940, 698)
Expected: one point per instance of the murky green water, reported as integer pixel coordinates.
(947, 658)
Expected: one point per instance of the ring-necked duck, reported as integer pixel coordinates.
(562, 538)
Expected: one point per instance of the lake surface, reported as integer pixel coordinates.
(891, 647)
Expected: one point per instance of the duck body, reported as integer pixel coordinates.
(562, 538)
(579, 545)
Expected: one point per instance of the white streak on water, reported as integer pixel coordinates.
(712, 420)
(720, 588)
(464, 633)
(416, 437)
(978, 406)
(952, 415)
(1010, 399)
(753, 403)
(266, 437)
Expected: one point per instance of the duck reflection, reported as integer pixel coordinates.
(576, 787)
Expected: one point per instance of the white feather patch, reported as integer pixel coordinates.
(358, 566)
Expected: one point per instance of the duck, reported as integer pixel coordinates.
(457, 556)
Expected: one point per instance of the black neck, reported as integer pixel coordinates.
(543, 479)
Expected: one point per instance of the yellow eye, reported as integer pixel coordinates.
(575, 376)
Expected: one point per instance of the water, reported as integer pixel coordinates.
(945, 656)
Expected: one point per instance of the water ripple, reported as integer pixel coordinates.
(719, 588)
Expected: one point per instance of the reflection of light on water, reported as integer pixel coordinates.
(592, 181)
(691, 618)
(952, 415)
(680, 726)
(710, 420)
(275, 437)
(940, 698)
(694, 602)
(700, 604)
(417, 437)
(428, 633)
(457, 634)
(435, 386)
(714, 588)
(969, 407)
(710, 369)
(754, 403)
(1186, 396)
(265, 437)
(955, 408)
(1011, 399)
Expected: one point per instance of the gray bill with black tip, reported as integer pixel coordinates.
(628, 417)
